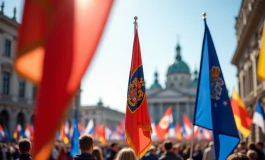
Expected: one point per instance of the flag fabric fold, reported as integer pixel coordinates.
(213, 109)
(241, 115)
(57, 40)
(137, 121)
(259, 117)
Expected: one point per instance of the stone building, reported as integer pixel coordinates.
(101, 115)
(17, 96)
(249, 24)
(179, 92)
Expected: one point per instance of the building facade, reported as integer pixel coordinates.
(249, 24)
(179, 92)
(100, 115)
(17, 96)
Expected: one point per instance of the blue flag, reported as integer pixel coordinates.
(213, 110)
(75, 137)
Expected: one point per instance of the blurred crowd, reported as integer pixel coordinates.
(115, 151)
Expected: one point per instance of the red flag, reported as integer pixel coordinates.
(137, 121)
(57, 40)
(163, 125)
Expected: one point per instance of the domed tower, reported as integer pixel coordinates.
(156, 84)
(194, 82)
(178, 74)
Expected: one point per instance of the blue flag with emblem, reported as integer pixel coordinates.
(75, 137)
(213, 110)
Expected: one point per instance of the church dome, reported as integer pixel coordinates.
(156, 84)
(179, 66)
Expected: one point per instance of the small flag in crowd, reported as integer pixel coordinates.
(52, 31)
(259, 117)
(18, 134)
(187, 125)
(137, 121)
(154, 134)
(241, 115)
(261, 65)
(213, 109)
(76, 134)
(178, 132)
(163, 125)
(171, 129)
(90, 127)
(2, 133)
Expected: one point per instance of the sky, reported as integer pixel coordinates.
(160, 23)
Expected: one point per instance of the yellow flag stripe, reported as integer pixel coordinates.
(261, 66)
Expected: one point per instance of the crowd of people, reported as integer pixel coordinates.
(163, 151)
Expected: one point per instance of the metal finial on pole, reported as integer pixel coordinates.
(135, 18)
(204, 16)
(135, 23)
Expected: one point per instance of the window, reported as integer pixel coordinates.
(7, 48)
(257, 62)
(6, 83)
(244, 86)
(21, 89)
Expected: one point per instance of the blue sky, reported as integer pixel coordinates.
(159, 24)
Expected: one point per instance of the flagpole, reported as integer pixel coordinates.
(192, 140)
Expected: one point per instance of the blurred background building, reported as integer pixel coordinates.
(17, 96)
(179, 93)
(101, 114)
(249, 24)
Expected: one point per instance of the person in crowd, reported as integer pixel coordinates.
(176, 150)
(126, 154)
(86, 144)
(151, 155)
(97, 152)
(16, 150)
(208, 153)
(114, 148)
(260, 154)
(238, 156)
(169, 155)
(55, 152)
(197, 154)
(24, 149)
(4, 151)
(242, 147)
(160, 150)
(260, 146)
(252, 155)
(186, 153)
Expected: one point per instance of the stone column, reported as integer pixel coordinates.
(160, 110)
(188, 110)
(29, 92)
(12, 120)
(254, 76)
(13, 86)
(177, 113)
(150, 109)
